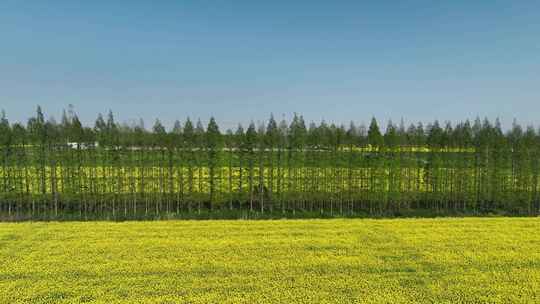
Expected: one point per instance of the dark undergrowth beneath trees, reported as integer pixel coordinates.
(257, 215)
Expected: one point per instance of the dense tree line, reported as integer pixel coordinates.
(63, 169)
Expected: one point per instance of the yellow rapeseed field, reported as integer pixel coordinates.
(495, 260)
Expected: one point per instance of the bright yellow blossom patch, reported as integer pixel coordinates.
(283, 261)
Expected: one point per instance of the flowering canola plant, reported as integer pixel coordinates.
(468, 260)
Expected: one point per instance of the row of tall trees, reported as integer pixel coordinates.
(61, 169)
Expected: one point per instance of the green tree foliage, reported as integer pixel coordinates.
(375, 138)
(54, 170)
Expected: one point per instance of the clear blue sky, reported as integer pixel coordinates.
(242, 60)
